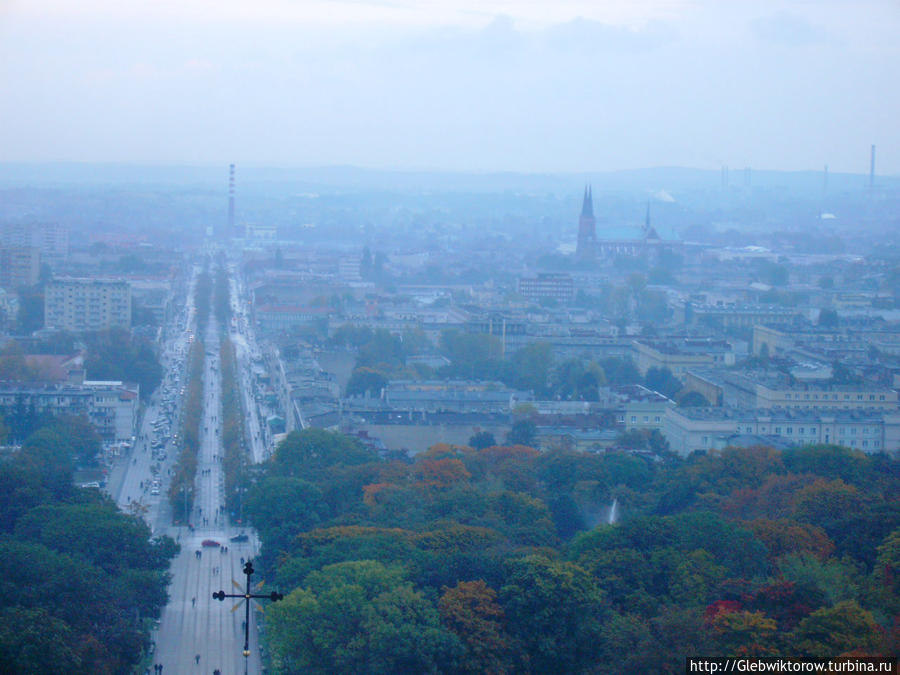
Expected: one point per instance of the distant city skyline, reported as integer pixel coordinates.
(460, 85)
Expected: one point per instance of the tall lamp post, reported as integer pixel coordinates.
(246, 597)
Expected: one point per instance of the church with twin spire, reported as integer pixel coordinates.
(589, 247)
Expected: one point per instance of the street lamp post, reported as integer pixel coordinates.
(246, 596)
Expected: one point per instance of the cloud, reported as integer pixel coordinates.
(784, 28)
(584, 33)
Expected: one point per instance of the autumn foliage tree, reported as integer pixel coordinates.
(471, 611)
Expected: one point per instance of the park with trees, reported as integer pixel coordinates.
(503, 559)
(81, 581)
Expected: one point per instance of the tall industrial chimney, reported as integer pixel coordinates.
(231, 231)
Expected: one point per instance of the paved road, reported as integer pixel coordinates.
(245, 348)
(193, 624)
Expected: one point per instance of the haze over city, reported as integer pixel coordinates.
(460, 337)
(457, 85)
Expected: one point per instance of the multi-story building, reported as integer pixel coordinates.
(19, 266)
(635, 406)
(444, 396)
(110, 406)
(547, 286)
(690, 429)
(734, 315)
(51, 239)
(681, 355)
(79, 305)
(757, 390)
(286, 318)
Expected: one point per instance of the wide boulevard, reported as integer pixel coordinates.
(196, 634)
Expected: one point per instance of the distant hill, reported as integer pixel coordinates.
(331, 178)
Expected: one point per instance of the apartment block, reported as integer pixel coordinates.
(51, 239)
(547, 286)
(19, 266)
(78, 305)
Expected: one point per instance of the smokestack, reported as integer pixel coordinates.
(231, 232)
(872, 169)
(825, 180)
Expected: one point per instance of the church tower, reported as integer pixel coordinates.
(587, 229)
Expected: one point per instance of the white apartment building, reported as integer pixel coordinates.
(78, 305)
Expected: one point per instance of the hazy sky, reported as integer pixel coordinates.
(520, 85)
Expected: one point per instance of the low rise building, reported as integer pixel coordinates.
(111, 406)
(681, 355)
(691, 429)
(443, 396)
(735, 315)
(635, 406)
(286, 318)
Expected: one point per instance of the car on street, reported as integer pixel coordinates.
(240, 537)
(210, 543)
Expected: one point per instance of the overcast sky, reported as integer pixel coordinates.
(518, 85)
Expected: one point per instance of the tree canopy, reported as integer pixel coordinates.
(499, 558)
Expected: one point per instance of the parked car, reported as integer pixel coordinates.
(212, 543)
(240, 537)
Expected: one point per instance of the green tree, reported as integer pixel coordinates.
(98, 532)
(358, 617)
(31, 308)
(555, 611)
(692, 399)
(886, 575)
(620, 371)
(472, 355)
(523, 432)
(531, 367)
(116, 355)
(81, 437)
(310, 452)
(280, 507)
(837, 630)
(663, 381)
(828, 318)
(482, 439)
(576, 379)
(366, 380)
(34, 641)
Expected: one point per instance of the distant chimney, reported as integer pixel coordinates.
(231, 232)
